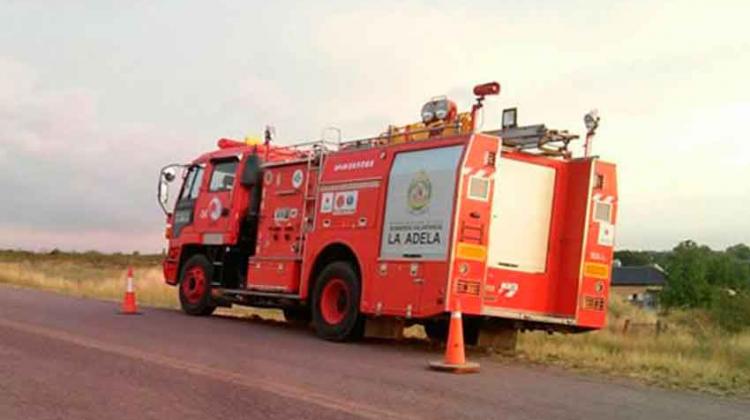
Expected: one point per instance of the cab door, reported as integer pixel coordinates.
(184, 211)
(214, 206)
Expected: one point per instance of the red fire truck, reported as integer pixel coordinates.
(400, 228)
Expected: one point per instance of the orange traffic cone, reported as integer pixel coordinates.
(129, 306)
(455, 357)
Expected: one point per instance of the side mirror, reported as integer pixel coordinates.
(251, 171)
(166, 176)
(164, 192)
(169, 174)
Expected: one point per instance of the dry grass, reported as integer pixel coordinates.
(106, 283)
(691, 354)
(105, 280)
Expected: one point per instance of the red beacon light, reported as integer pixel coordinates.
(487, 89)
(229, 144)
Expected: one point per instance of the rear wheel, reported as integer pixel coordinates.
(336, 297)
(297, 315)
(195, 286)
(472, 326)
(437, 330)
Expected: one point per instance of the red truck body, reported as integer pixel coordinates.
(513, 235)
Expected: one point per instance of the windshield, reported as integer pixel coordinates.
(191, 186)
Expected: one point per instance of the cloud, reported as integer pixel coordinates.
(63, 174)
(104, 240)
(85, 122)
(672, 96)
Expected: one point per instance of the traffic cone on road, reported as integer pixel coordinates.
(455, 357)
(129, 306)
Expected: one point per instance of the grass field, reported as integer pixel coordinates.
(690, 354)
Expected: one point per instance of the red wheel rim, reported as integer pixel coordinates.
(334, 302)
(194, 284)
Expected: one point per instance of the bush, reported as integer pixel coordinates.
(715, 281)
(688, 284)
(731, 312)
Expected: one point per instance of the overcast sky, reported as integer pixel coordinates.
(96, 96)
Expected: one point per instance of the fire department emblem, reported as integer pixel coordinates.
(419, 193)
(214, 209)
(297, 178)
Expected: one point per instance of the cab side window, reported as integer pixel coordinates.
(222, 177)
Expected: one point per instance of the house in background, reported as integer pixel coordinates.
(640, 285)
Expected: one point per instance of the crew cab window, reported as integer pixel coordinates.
(222, 178)
(192, 185)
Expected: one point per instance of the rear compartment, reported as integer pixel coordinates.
(541, 245)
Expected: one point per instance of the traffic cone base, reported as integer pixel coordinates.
(466, 367)
(455, 357)
(129, 306)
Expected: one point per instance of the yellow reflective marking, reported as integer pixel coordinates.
(596, 270)
(471, 252)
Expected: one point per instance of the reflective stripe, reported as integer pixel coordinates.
(471, 252)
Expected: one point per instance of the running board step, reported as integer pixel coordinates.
(245, 292)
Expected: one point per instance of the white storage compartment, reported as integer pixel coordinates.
(521, 215)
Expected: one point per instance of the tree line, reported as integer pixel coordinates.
(697, 277)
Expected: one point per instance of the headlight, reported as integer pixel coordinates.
(428, 112)
(591, 120)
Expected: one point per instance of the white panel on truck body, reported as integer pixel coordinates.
(419, 204)
(521, 215)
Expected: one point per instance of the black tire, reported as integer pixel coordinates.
(436, 330)
(194, 298)
(472, 326)
(342, 278)
(297, 315)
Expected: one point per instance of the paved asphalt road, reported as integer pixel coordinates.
(68, 358)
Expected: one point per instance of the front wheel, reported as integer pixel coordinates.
(336, 297)
(195, 286)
